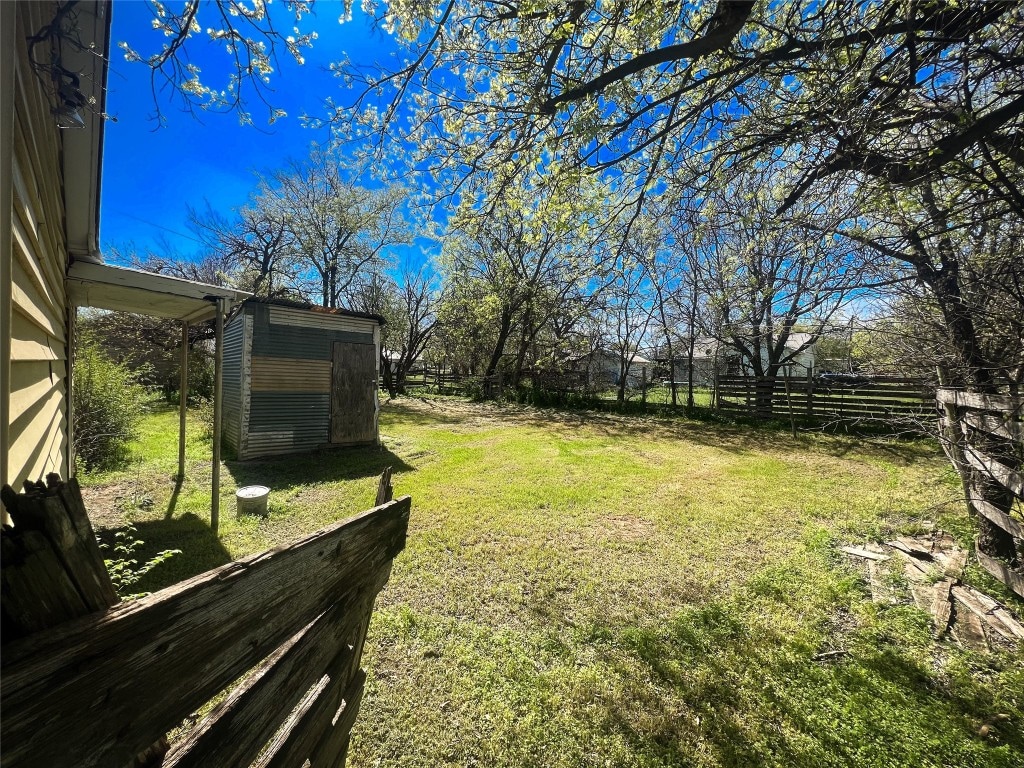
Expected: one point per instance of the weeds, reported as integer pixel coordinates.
(124, 568)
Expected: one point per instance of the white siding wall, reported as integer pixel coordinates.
(37, 332)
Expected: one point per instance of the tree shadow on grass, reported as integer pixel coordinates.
(321, 466)
(200, 549)
(736, 438)
(716, 686)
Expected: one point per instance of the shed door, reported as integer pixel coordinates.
(353, 393)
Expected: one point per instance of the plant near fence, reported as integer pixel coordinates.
(124, 568)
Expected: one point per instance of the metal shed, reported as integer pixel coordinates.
(298, 377)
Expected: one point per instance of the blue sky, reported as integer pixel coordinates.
(152, 174)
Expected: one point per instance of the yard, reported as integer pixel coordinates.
(584, 589)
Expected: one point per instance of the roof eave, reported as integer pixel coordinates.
(82, 159)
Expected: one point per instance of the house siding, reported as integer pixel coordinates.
(37, 333)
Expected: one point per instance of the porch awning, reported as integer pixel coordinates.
(106, 286)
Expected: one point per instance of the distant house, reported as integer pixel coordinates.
(799, 354)
(712, 358)
(603, 368)
(298, 377)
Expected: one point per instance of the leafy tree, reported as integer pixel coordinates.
(308, 231)
(334, 228)
(464, 338)
(628, 301)
(254, 242)
(768, 278)
(408, 304)
(530, 253)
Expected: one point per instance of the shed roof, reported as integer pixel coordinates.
(106, 286)
(305, 305)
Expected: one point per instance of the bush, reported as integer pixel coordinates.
(200, 380)
(106, 402)
(554, 398)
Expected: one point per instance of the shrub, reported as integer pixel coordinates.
(106, 402)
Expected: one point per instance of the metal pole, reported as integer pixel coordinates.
(218, 393)
(182, 400)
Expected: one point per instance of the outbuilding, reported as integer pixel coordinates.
(299, 377)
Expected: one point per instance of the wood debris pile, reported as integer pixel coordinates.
(933, 565)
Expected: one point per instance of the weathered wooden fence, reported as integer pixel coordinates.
(443, 382)
(276, 637)
(875, 399)
(976, 426)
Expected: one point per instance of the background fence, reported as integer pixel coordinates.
(880, 400)
(866, 399)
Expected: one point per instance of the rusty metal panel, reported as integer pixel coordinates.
(233, 382)
(288, 374)
(306, 343)
(281, 422)
(311, 319)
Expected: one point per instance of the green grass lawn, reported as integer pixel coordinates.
(588, 589)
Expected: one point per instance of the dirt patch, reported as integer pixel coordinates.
(106, 503)
(625, 527)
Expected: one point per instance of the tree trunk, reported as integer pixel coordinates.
(764, 389)
(620, 395)
(517, 371)
(975, 373)
(689, 372)
(388, 376)
(504, 330)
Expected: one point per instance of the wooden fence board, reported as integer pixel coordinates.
(995, 425)
(37, 592)
(962, 399)
(300, 732)
(59, 520)
(867, 398)
(818, 412)
(126, 674)
(994, 514)
(240, 726)
(1001, 571)
(967, 416)
(314, 718)
(330, 752)
(1008, 478)
(877, 400)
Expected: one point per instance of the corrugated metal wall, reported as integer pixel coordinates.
(233, 351)
(289, 360)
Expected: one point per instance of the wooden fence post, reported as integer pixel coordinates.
(53, 570)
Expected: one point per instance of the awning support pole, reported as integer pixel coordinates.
(218, 394)
(182, 400)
